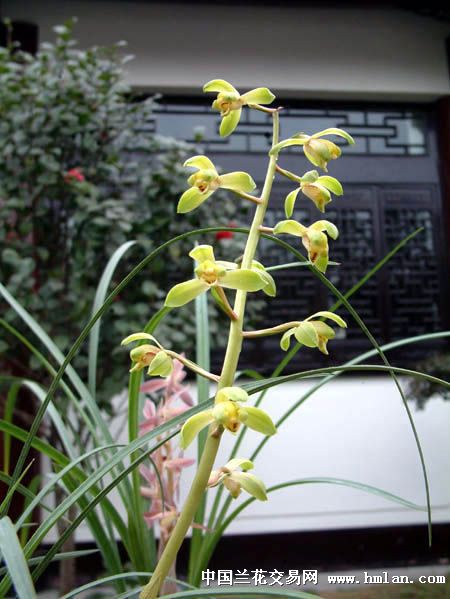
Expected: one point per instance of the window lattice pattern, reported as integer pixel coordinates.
(376, 132)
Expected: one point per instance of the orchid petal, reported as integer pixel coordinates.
(237, 181)
(201, 253)
(191, 199)
(259, 95)
(219, 85)
(244, 279)
(289, 202)
(185, 292)
(259, 420)
(230, 122)
(201, 162)
(193, 426)
(250, 483)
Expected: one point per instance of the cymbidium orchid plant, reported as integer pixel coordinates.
(230, 411)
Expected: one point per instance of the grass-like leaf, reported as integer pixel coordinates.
(15, 561)
(100, 295)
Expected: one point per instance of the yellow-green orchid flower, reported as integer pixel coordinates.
(228, 413)
(206, 180)
(215, 273)
(229, 102)
(318, 151)
(313, 333)
(313, 238)
(235, 480)
(316, 189)
(153, 356)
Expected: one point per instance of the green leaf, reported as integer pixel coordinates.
(252, 484)
(193, 426)
(260, 421)
(100, 295)
(289, 202)
(290, 227)
(201, 162)
(191, 199)
(219, 85)
(237, 181)
(259, 95)
(15, 561)
(239, 593)
(332, 184)
(185, 292)
(244, 279)
(306, 334)
(230, 122)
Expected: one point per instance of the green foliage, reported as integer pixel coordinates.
(422, 390)
(81, 173)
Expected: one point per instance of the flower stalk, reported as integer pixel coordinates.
(200, 482)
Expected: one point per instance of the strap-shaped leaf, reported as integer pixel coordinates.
(15, 561)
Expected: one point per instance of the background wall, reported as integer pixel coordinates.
(353, 429)
(363, 53)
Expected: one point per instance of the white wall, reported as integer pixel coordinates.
(384, 54)
(352, 429)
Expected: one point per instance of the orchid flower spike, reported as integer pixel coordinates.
(316, 189)
(153, 356)
(229, 102)
(313, 333)
(215, 273)
(313, 238)
(228, 412)
(235, 480)
(206, 180)
(317, 150)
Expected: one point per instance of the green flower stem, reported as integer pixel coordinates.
(193, 366)
(199, 484)
(272, 331)
(288, 174)
(248, 196)
(235, 338)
